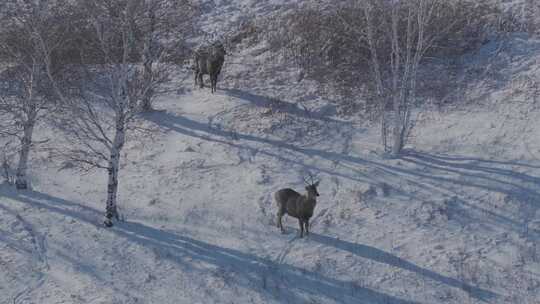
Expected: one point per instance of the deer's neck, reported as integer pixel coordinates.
(310, 198)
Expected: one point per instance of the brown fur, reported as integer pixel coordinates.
(296, 205)
(209, 61)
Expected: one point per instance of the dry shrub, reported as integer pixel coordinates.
(328, 42)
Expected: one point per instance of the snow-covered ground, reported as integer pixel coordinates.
(455, 220)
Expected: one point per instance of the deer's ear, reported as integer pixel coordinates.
(316, 184)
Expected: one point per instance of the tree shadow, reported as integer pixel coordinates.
(6, 236)
(202, 131)
(58, 205)
(480, 169)
(519, 187)
(284, 106)
(384, 257)
(65, 208)
(471, 160)
(290, 282)
(474, 173)
(255, 271)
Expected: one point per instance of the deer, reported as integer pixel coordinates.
(209, 60)
(297, 205)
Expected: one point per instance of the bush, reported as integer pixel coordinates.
(520, 17)
(328, 42)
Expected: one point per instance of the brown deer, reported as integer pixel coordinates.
(296, 205)
(209, 60)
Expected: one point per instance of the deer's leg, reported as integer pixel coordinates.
(306, 223)
(279, 223)
(196, 77)
(201, 82)
(301, 227)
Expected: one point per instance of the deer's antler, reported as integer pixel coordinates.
(311, 180)
(305, 181)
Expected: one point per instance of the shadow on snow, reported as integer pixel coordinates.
(255, 271)
(465, 172)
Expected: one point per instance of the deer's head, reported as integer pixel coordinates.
(311, 186)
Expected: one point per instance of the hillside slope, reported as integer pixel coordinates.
(455, 220)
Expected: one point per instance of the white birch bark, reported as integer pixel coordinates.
(396, 65)
(24, 50)
(376, 70)
(122, 109)
(109, 96)
(28, 117)
(21, 181)
(113, 169)
(148, 61)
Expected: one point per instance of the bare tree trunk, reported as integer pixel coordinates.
(112, 190)
(147, 97)
(384, 128)
(113, 168)
(398, 83)
(407, 74)
(148, 60)
(375, 65)
(119, 87)
(398, 139)
(30, 109)
(21, 182)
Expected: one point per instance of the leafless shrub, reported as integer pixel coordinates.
(248, 31)
(520, 17)
(337, 53)
(29, 34)
(161, 28)
(373, 50)
(102, 92)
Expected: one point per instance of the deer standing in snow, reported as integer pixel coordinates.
(296, 205)
(209, 60)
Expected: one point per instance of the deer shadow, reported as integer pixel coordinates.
(384, 257)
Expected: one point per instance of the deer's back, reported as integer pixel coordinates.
(209, 59)
(200, 62)
(214, 63)
(288, 200)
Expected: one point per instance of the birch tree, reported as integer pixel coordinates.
(409, 30)
(163, 26)
(104, 90)
(25, 97)
(371, 52)
(21, 106)
(404, 31)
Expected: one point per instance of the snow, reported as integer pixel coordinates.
(455, 220)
